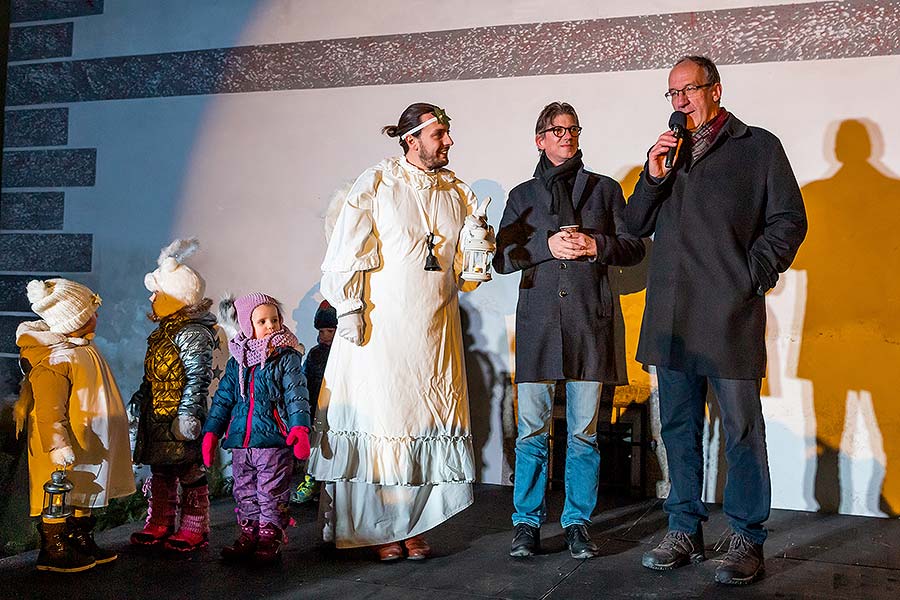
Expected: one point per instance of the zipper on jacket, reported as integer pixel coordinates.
(250, 410)
(279, 422)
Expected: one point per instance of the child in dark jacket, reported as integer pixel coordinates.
(325, 321)
(261, 413)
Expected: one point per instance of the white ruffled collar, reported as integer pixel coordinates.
(419, 178)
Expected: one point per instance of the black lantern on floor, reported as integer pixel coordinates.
(56, 496)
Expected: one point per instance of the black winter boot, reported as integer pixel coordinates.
(81, 531)
(245, 545)
(57, 553)
(268, 550)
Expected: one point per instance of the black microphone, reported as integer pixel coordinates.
(677, 123)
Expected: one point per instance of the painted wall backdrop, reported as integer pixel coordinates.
(129, 123)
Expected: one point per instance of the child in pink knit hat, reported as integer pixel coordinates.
(261, 413)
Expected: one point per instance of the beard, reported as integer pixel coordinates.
(436, 159)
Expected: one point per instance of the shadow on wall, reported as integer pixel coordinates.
(484, 383)
(629, 287)
(851, 333)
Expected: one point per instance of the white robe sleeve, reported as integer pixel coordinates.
(353, 247)
(471, 203)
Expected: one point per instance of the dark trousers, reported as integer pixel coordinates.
(748, 491)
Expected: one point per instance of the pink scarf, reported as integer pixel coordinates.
(249, 352)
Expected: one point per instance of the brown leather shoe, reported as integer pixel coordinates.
(389, 552)
(417, 548)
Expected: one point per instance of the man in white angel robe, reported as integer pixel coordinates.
(393, 441)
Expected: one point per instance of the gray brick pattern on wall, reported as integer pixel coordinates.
(40, 41)
(33, 240)
(36, 127)
(42, 252)
(789, 32)
(46, 10)
(32, 211)
(49, 168)
(12, 292)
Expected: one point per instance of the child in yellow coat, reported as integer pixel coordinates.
(75, 418)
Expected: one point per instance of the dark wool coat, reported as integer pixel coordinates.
(278, 403)
(314, 369)
(564, 326)
(724, 228)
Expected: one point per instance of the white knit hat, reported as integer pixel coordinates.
(63, 304)
(173, 277)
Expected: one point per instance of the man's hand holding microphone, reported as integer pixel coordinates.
(664, 153)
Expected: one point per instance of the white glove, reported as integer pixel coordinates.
(475, 222)
(351, 327)
(62, 457)
(185, 428)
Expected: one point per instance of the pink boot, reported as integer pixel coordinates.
(193, 531)
(161, 511)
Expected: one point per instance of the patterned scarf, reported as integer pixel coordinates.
(705, 136)
(249, 352)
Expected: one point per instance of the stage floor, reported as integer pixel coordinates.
(807, 556)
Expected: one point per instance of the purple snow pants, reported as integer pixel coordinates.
(262, 484)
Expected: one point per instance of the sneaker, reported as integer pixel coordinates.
(743, 563)
(526, 541)
(676, 549)
(579, 542)
(306, 490)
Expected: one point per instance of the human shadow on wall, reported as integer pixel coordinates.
(629, 288)
(481, 381)
(851, 333)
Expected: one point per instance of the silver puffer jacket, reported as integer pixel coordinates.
(177, 374)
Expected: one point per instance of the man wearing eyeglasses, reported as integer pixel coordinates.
(727, 218)
(561, 229)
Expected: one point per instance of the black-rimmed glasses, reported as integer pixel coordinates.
(688, 90)
(559, 131)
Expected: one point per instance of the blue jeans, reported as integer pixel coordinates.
(748, 491)
(532, 449)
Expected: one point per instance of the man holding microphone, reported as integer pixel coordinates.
(727, 217)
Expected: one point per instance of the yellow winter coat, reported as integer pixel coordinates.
(72, 399)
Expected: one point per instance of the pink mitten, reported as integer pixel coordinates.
(208, 447)
(299, 439)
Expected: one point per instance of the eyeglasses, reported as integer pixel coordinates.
(688, 90)
(559, 131)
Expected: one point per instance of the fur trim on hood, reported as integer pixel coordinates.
(194, 311)
(227, 314)
(36, 341)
